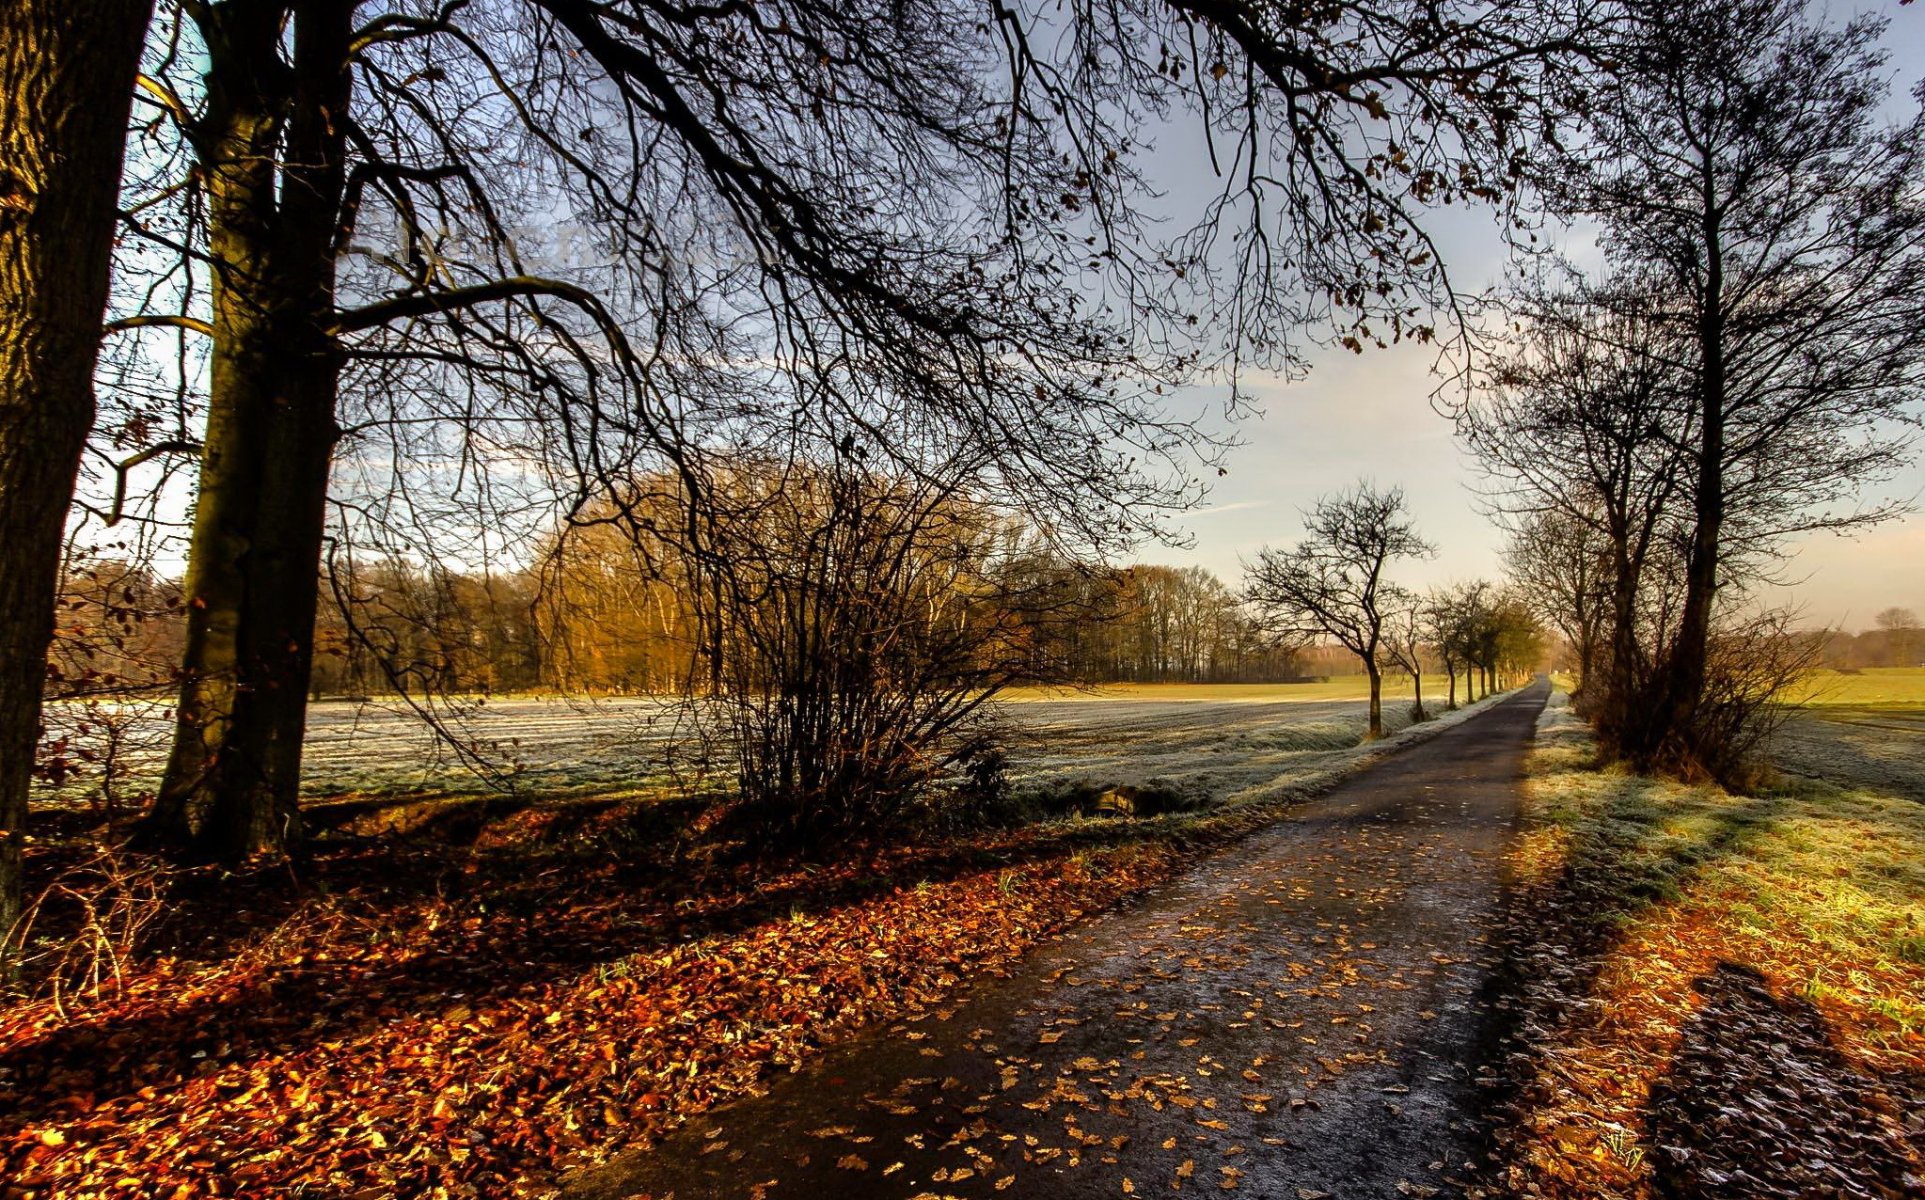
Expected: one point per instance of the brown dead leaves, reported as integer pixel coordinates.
(476, 1050)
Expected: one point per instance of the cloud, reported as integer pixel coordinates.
(1238, 506)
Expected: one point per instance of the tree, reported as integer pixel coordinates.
(1444, 626)
(878, 221)
(66, 71)
(1582, 426)
(1900, 626)
(1488, 634)
(1741, 166)
(1332, 584)
(1517, 643)
(1405, 631)
(1560, 570)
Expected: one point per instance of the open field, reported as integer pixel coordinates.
(1865, 729)
(1874, 687)
(1209, 739)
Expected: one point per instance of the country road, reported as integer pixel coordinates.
(1295, 1017)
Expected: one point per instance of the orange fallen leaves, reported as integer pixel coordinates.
(482, 1047)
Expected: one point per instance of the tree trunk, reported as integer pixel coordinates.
(66, 79)
(1674, 741)
(233, 779)
(1417, 681)
(1617, 707)
(1376, 729)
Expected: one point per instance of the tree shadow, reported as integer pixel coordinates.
(508, 924)
(1758, 1102)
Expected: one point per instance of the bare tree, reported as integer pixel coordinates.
(1517, 643)
(1332, 584)
(1561, 569)
(1443, 617)
(1741, 166)
(67, 71)
(1405, 634)
(1583, 428)
(845, 217)
(1488, 633)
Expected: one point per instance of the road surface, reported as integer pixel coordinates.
(1296, 1017)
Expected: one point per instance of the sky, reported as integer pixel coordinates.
(1370, 416)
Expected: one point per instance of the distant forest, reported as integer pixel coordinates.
(586, 621)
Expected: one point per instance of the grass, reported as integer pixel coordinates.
(1873, 687)
(1635, 891)
(1337, 687)
(1812, 879)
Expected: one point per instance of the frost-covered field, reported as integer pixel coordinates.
(1192, 738)
(1205, 747)
(1211, 746)
(1879, 748)
(1860, 729)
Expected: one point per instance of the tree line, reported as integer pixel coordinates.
(1896, 639)
(589, 620)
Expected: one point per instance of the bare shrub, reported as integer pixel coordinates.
(79, 937)
(1755, 661)
(857, 622)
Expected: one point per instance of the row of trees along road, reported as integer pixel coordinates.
(1745, 362)
(1334, 584)
(434, 274)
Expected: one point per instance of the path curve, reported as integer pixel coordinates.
(1296, 1017)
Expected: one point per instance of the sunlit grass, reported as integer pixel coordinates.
(1880, 687)
(1820, 886)
(1633, 890)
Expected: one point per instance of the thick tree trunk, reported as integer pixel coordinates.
(66, 80)
(1376, 729)
(1417, 682)
(233, 781)
(1584, 696)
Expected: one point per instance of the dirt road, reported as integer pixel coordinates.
(1297, 1017)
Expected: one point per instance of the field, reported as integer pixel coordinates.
(1865, 729)
(1874, 688)
(1210, 739)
